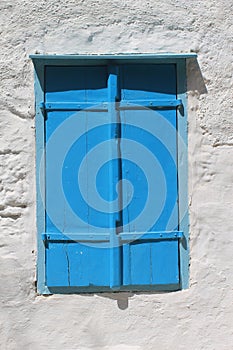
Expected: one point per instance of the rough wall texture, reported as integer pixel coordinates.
(198, 318)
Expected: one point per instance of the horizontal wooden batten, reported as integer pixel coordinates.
(104, 237)
(103, 106)
(155, 104)
(73, 106)
(78, 237)
(153, 236)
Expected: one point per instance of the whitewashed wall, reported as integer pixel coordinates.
(198, 318)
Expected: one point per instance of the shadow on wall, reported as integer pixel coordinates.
(195, 80)
(122, 298)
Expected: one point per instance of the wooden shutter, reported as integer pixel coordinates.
(134, 105)
(150, 260)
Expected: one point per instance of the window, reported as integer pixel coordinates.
(111, 173)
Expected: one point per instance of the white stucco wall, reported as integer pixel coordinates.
(198, 318)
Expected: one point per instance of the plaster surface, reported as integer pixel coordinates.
(200, 317)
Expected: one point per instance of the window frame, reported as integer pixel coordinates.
(40, 62)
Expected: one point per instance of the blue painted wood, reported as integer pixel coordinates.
(75, 264)
(128, 236)
(103, 106)
(142, 261)
(79, 237)
(160, 97)
(89, 266)
(84, 265)
(57, 268)
(76, 84)
(73, 85)
(135, 104)
(114, 177)
(72, 106)
(151, 263)
(148, 82)
(136, 83)
(152, 236)
(165, 269)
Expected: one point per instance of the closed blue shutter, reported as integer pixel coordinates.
(74, 263)
(149, 261)
(133, 243)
